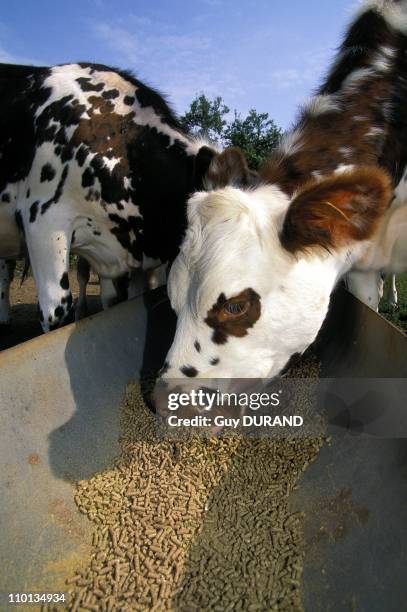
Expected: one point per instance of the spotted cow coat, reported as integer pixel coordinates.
(358, 118)
(252, 283)
(93, 162)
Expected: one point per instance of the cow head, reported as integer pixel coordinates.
(252, 282)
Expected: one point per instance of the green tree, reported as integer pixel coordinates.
(257, 135)
(206, 117)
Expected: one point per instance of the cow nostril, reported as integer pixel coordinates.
(189, 371)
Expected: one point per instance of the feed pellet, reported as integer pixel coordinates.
(202, 524)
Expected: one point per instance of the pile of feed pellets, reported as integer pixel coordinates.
(202, 524)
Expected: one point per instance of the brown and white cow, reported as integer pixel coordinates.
(92, 162)
(252, 283)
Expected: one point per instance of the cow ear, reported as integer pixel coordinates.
(337, 211)
(229, 168)
(202, 162)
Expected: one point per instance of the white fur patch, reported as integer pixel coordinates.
(111, 162)
(291, 143)
(384, 59)
(354, 78)
(322, 104)
(345, 151)
(374, 132)
(343, 168)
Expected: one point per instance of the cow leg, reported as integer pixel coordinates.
(367, 286)
(121, 285)
(48, 241)
(83, 275)
(108, 292)
(391, 290)
(138, 283)
(6, 276)
(144, 280)
(156, 277)
(122, 288)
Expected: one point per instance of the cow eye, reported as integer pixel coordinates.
(235, 309)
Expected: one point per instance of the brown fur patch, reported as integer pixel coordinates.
(329, 139)
(106, 131)
(224, 326)
(337, 210)
(229, 168)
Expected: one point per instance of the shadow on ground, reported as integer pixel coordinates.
(102, 354)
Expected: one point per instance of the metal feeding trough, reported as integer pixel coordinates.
(59, 423)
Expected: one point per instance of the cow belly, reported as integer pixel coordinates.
(102, 251)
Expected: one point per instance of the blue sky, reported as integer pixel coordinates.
(266, 54)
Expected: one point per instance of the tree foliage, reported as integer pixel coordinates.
(206, 117)
(256, 134)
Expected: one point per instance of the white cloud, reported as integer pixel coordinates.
(137, 46)
(179, 64)
(313, 67)
(8, 57)
(212, 3)
(119, 40)
(283, 79)
(244, 69)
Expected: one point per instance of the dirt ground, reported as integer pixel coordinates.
(25, 323)
(24, 316)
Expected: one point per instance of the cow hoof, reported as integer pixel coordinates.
(5, 329)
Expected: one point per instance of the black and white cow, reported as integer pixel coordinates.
(252, 283)
(92, 162)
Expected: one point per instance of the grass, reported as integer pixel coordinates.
(397, 315)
